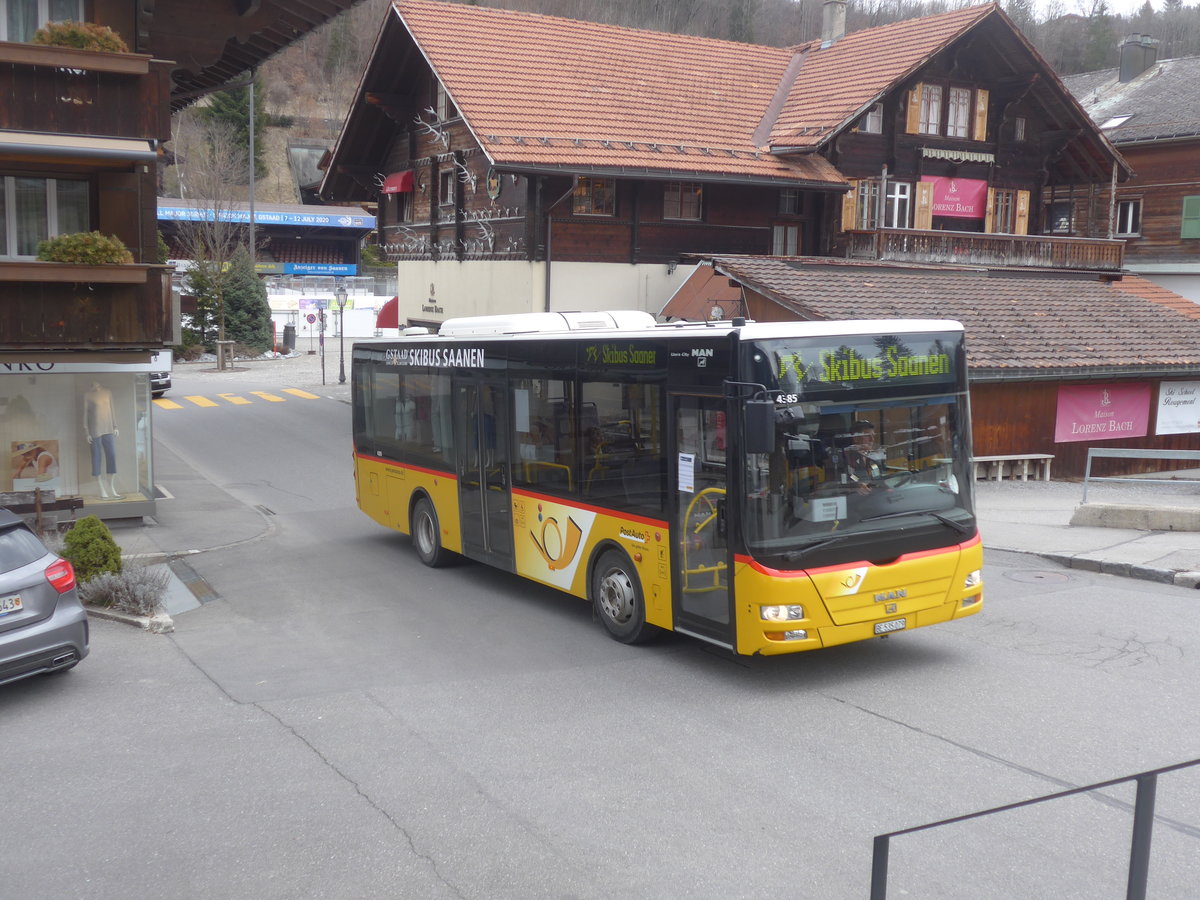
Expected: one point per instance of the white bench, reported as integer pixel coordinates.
(995, 467)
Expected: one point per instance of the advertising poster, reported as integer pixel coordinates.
(1102, 412)
(960, 198)
(1178, 409)
(34, 464)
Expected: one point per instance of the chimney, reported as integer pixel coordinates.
(1138, 53)
(833, 21)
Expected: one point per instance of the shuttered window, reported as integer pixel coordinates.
(1191, 217)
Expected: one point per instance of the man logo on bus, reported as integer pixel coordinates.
(557, 553)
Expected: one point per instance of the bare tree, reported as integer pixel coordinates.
(212, 174)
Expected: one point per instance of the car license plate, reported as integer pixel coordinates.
(889, 627)
(9, 604)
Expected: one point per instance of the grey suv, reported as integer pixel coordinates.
(43, 626)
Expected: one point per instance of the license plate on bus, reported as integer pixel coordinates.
(889, 627)
(9, 604)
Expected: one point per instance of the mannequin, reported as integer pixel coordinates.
(99, 426)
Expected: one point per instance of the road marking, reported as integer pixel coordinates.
(296, 392)
(200, 401)
(269, 397)
(166, 404)
(235, 399)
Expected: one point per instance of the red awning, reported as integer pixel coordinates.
(389, 315)
(398, 183)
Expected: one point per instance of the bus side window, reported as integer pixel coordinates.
(623, 463)
(543, 435)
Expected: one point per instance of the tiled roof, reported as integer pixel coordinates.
(1015, 324)
(839, 81)
(1162, 102)
(542, 91)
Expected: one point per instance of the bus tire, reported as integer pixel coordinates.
(427, 535)
(616, 594)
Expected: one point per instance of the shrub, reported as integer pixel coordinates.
(88, 247)
(90, 547)
(137, 589)
(81, 36)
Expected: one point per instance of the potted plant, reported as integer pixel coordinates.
(81, 36)
(89, 248)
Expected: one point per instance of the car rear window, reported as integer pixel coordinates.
(19, 547)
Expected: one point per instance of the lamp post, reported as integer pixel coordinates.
(339, 294)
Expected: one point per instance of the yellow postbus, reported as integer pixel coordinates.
(765, 487)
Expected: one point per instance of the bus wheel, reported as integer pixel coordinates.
(617, 598)
(427, 535)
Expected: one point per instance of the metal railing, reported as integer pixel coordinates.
(1139, 853)
(1131, 453)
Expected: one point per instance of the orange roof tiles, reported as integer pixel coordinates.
(837, 82)
(545, 91)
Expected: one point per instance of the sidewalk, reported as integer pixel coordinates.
(1032, 517)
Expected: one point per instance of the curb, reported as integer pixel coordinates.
(1126, 570)
(157, 624)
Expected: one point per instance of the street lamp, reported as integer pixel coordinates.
(339, 294)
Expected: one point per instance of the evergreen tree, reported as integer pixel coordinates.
(247, 314)
(231, 108)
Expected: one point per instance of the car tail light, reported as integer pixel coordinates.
(61, 575)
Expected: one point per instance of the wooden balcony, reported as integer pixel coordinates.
(60, 90)
(973, 248)
(59, 306)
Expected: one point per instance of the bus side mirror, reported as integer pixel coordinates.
(759, 416)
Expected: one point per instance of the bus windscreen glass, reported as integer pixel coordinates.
(871, 437)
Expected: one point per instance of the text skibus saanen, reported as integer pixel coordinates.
(765, 487)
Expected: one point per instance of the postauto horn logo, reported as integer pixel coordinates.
(557, 550)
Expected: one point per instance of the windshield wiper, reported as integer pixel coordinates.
(792, 555)
(945, 520)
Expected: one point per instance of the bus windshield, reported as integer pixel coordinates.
(871, 437)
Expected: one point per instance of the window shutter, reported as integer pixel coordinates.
(1021, 225)
(849, 207)
(981, 114)
(1191, 217)
(913, 124)
(923, 217)
(990, 215)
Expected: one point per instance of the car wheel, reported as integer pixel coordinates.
(616, 594)
(427, 535)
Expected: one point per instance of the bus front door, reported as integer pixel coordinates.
(481, 426)
(702, 572)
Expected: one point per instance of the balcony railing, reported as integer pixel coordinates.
(60, 90)
(972, 248)
(58, 306)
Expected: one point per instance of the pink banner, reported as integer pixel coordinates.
(962, 198)
(1102, 412)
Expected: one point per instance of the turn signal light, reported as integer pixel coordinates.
(798, 635)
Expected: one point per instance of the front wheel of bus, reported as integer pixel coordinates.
(427, 535)
(617, 598)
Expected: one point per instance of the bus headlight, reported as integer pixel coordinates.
(974, 579)
(781, 613)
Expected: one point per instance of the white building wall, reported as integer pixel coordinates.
(435, 291)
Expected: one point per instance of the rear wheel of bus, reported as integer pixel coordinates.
(427, 535)
(616, 594)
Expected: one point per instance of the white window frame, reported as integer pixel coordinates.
(785, 240)
(958, 113)
(587, 188)
(1129, 217)
(683, 201)
(872, 120)
(444, 105)
(931, 109)
(8, 249)
(897, 210)
(43, 17)
(866, 204)
(446, 187)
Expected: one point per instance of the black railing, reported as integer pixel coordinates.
(1139, 853)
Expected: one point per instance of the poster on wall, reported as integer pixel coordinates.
(959, 198)
(1102, 412)
(1178, 407)
(34, 464)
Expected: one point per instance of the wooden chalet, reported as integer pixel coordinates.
(525, 162)
(80, 135)
(1150, 110)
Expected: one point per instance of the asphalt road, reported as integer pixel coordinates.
(343, 722)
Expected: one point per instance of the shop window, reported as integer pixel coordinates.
(21, 18)
(594, 196)
(33, 209)
(681, 200)
(1129, 218)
